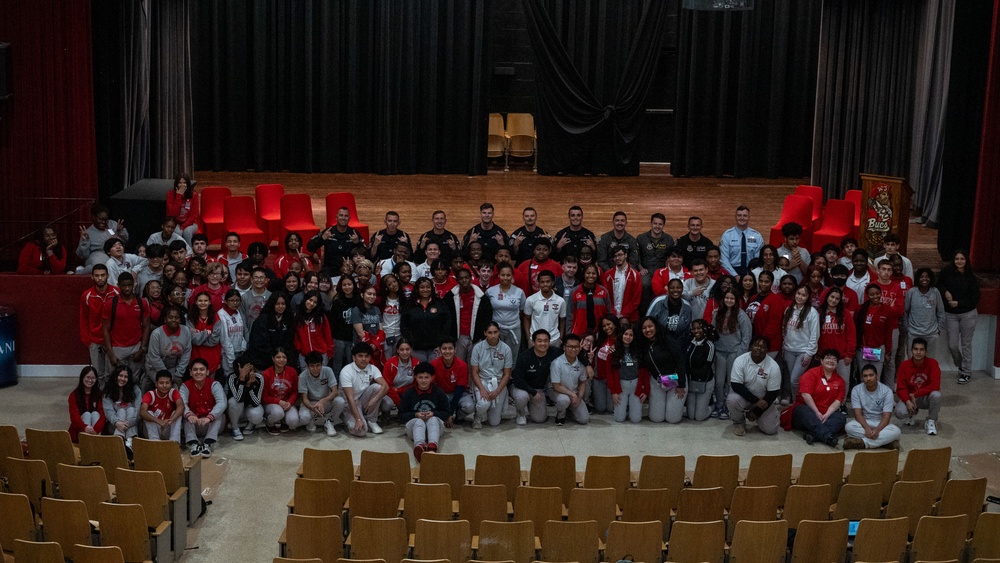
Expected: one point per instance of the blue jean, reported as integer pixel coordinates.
(803, 418)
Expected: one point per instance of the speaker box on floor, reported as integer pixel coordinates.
(5, 70)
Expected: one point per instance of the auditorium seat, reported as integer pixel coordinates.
(854, 196)
(837, 224)
(815, 193)
(521, 138)
(496, 141)
(798, 209)
(212, 215)
(296, 217)
(240, 216)
(268, 199)
(336, 200)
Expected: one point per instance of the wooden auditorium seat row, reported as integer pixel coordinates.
(94, 496)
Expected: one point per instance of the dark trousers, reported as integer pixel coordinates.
(803, 418)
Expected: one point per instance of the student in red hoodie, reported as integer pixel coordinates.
(837, 330)
(768, 320)
(624, 285)
(590, 302)
(918, 385)
(875, 323)
(281, 391)
(312, 329)
(86, 410)
(43, 255)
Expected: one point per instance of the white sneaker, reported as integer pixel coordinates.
(374, 427)
(476, 423)
(521, 419)
(931, 427)
(910, 421)
(330, 430)
(237, 435)
(311, 427)
(249, 428)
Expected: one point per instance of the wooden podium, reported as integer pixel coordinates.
(885, 208)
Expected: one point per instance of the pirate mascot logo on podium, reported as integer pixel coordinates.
(878, 216)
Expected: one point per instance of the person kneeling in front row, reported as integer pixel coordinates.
(756, 383)
(918, 385)
(363, 388)
(873, 405)
(321, 401)
(424, 409)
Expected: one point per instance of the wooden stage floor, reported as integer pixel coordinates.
(415, 197)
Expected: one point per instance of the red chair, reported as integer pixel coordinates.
(336, 200)
(798, 209)
(854, 196)
(838, 223)
(296, 217)
(212, 212)
(816, 194)
(268, 197)
(241, 218)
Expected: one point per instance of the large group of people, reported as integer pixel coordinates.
(439, 330)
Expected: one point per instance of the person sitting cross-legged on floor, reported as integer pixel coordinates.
(873, 405)
(816, 410)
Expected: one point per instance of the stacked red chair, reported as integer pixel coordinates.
(296, 217)
(797, 209)
(241, 218)
(838, 224)
(212, 216)
(268, 197)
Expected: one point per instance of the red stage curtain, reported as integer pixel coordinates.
(48, 163)
(985, 227)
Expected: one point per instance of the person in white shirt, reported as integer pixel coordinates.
(756, 383)
(872, 403)
(363, 388)
(168, 234)
(697, 288)
(568, 383)
(798, 257)
(400, 254)
(544, 310)
(507, 300)
(119, 262)
(489, 372)
(800, 328)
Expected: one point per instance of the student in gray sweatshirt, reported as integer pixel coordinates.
(924, 310)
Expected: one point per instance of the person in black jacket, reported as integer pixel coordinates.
(960, 289)
(426, 321)
(700, 354)
(530, 377)
(244, 387)
(663, 357)
(341, 328)
(423, 409)
(274, 328)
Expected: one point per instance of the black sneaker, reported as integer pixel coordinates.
(194, 448)
(809, 438)
(560, 421)
(964, 378)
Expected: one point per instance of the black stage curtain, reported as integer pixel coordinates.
(596, 60)
(746, 90)
(865, 91)
(963, 131)
(350, 86)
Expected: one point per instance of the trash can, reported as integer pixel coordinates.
(8, 334)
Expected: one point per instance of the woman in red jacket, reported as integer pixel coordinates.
(281, 391)
(86, 411)
(43, 255)
(182, 204)
(768, 320)
(607, 338)
(874, 331)
(589, 302)
(312, 329)
(837, 331)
